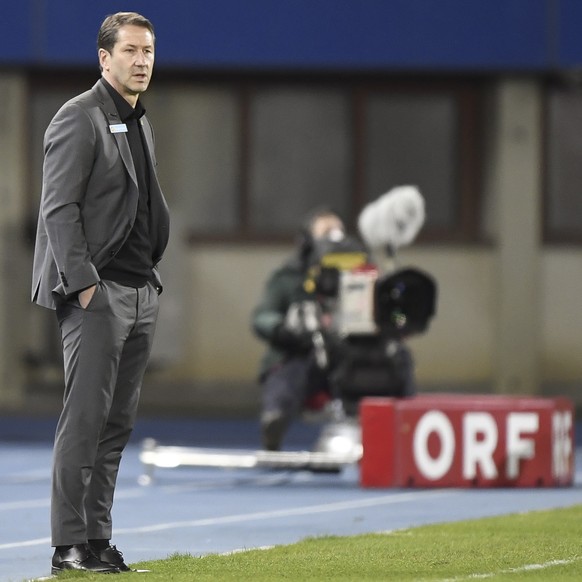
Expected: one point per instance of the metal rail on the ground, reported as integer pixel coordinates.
(333, 459)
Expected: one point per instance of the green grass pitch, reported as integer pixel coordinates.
(542, 545)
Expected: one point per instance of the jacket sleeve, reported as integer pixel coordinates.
(272, 308)
(69, 148)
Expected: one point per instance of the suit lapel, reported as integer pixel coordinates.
(110, 112)
(147, 132)
(159, 217)
(125, 152)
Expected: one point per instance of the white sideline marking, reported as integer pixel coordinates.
(45, 502)
(307, 510)
(27, 504)
(136, 492)
(141, 492)
(26, 543)
(525, 568)
(244, 550)
(242, 517)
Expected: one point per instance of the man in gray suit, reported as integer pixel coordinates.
(102, 229)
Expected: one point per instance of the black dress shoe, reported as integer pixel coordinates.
(80, 557)
(112, 556)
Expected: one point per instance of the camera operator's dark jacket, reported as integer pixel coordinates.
(283, 288)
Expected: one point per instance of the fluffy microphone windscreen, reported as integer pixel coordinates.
(394, 219)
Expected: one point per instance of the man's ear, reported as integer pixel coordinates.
(103, 58)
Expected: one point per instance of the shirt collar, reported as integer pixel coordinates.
(125, 110)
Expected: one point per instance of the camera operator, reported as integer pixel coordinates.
(291, 370)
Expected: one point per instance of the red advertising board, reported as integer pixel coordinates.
(467, 441)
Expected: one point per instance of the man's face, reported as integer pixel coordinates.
(328, 226)
(128, 67)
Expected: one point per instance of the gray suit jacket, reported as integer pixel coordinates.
(89, 197)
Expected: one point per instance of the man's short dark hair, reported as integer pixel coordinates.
(108, 32)
(315, 214)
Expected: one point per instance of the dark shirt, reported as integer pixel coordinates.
(132, 264)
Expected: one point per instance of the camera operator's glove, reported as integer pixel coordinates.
(296, 342)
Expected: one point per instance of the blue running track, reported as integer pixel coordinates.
(203, 510)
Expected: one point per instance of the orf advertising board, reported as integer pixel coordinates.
(467, 441)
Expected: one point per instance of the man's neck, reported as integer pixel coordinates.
(130, 98)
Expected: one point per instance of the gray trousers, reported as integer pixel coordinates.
(106, 348)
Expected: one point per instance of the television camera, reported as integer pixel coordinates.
(359, 312)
